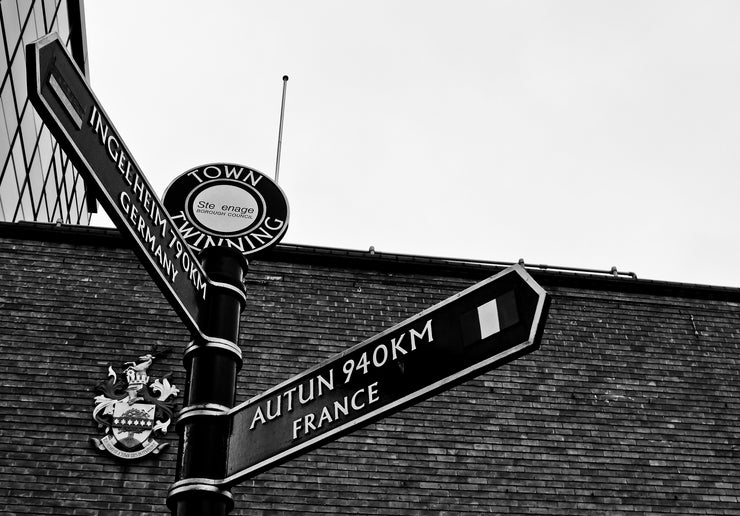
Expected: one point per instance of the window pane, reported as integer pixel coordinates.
(42, 213)
(81, 210)
(29, 34)
(2, 209)
(28, 131)
(7, 123)
(49, 188)
(64, 192)
(6, 97)
(40, 27)
(11, 26)
(4, 146)
(18, 177)
(51, 13)
(18, 76)
(9, 191)
(63, 22)
(58, 194)
(36, 181)
(24, 6)
(26, 206)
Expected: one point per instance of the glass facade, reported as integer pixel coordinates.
(37, 180)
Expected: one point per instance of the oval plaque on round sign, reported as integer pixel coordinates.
(227, 205)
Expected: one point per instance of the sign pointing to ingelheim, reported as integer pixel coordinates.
(61, 95)
(489, 324)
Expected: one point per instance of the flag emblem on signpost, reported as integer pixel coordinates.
(489, 318)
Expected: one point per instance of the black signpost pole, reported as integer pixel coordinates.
(211, 366)
(224, 211)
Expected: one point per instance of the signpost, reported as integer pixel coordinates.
(61, 95)
(474, 331)
(228, 212)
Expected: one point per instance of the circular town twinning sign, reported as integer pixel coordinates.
(227, 205)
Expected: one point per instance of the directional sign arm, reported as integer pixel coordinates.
(470, 333)
(67, 105)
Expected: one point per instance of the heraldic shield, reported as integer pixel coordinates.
(131, 411)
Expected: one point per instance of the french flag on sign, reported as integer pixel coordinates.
(489, 318)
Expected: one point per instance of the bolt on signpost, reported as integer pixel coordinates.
(227, 213)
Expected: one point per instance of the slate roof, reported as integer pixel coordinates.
(630, 406)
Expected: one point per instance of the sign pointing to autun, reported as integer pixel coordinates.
(472, 332)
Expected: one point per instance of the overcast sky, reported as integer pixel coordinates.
(577, 133)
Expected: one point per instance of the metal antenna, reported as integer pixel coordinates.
(280, 131)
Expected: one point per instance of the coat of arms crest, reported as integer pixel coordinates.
(130, 410)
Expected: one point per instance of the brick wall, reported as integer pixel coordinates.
(630, 406)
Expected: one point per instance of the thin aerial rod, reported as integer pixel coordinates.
(280, 130)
